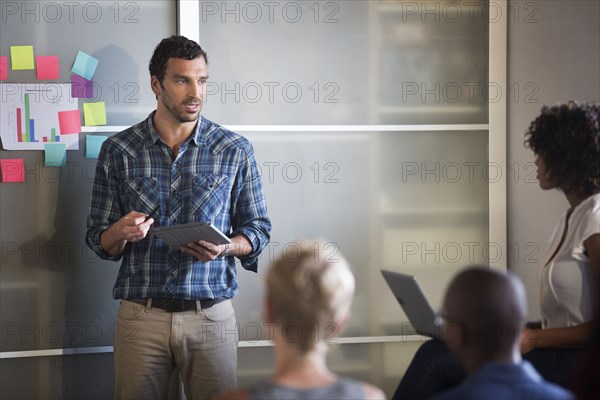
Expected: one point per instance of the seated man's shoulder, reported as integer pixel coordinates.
(491, 391)
(548, 390)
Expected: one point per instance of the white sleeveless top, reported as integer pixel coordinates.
(567, 284)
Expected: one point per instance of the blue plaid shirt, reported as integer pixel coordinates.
(214, 178)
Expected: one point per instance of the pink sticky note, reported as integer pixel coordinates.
(47, 67)
(13, 170)
(3, 68)
(69, 122)
(81, 87)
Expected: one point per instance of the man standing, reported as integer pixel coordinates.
(176, 167)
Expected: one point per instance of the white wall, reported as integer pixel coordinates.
(553, 55)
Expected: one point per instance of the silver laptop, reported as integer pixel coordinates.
(424, 320)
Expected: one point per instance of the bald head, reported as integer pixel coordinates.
(489, 307)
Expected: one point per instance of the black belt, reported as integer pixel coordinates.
(178, 305)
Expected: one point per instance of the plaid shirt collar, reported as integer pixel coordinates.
(150, 136)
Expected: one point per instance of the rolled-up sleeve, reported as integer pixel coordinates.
(104, 206)
(250, 213)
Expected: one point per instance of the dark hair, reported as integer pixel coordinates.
(567, 138)
(177, 47)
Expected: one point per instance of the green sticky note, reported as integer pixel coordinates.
(55, 154)
(94, 113)
(93, 145)
(22, 57)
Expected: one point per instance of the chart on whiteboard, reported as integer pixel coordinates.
(29, 116)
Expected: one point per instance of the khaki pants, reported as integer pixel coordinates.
(150, 342)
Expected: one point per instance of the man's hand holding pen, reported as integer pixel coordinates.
(132, 227)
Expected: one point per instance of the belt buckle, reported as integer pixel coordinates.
(174, 305)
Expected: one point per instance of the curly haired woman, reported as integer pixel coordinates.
(566, 141)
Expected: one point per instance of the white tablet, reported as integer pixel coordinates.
(180, 235)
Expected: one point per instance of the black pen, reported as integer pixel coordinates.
(152, 213)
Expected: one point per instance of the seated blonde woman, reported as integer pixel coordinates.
(308, 298)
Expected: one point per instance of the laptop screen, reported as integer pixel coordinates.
(406, 289)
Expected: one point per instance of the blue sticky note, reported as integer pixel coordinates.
(55, 154)
(84, 65)
(93, 145)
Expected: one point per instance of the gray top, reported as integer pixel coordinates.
(342, 388)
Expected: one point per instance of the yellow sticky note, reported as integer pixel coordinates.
(22, 57)
(94, 113)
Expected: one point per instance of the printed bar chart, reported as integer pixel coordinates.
(29, 115)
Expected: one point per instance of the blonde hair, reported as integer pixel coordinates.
(310, 290)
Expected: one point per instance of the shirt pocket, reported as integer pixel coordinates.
(209, 193)
(141, 194)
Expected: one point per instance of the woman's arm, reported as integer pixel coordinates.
(572, 337)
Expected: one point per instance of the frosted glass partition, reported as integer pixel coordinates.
(409, 201)
(347, 62)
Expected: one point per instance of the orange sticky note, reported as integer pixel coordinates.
(3, 68)
(13, 170)
(47, 67)
(69, 122)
